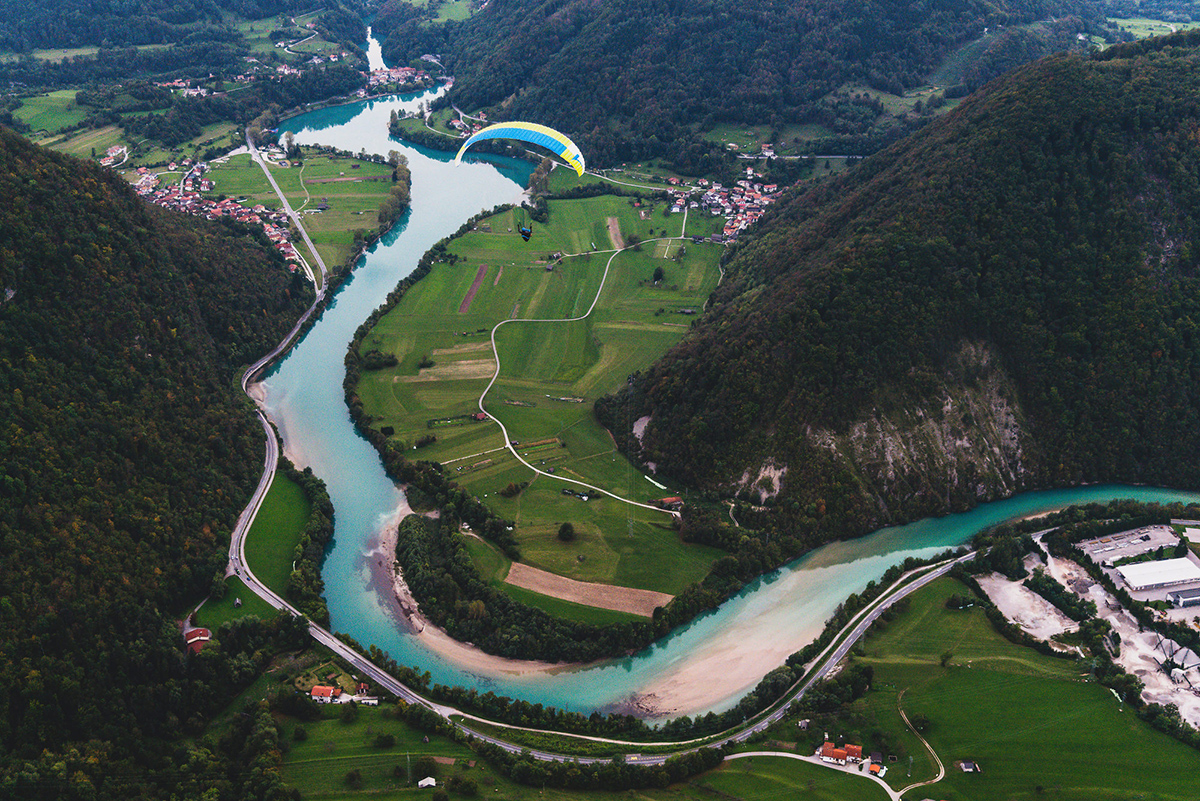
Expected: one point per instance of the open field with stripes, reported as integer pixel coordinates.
(551, 374)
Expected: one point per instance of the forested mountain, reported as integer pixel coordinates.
(628, 78)
(127, 454)
(1008, 299)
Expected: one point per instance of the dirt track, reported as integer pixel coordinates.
(602, 596)
(470, 296)
(614, 233)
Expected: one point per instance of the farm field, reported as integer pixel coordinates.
(1143, 27)
(51, 112)
(82, 144)
(350, 194)
(552, 374)
(275, 533)
(1035, 725)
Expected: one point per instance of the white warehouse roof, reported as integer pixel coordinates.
(1147, 575)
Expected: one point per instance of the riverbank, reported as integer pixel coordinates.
(398, 601)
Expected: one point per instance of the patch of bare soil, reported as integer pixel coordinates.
(452, 371)
(614, 233)
(470, 296)
(602, 596)
(1026, 608)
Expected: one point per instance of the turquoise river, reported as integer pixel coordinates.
(706, 665)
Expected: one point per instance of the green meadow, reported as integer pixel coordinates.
(552, 374)
(82, 144)
(214, 613)
(350, 190)
(275, 532)
(331, 749)
(1036, 725)
(51, 112)
(1143, 27)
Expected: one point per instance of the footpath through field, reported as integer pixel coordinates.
(496, 352)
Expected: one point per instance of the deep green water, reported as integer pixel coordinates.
(724, 652)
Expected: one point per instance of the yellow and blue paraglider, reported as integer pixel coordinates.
(531, 132)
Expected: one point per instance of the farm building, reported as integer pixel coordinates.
(1153, 575)
(1182, 598)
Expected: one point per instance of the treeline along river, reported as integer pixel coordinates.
(706, 665)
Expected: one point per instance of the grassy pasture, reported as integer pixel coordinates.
(319, 764)
(353, 195)
(51, 112)
(566, 609)
(751, 138)
(1031, 721)
(276, 531)
(547, 368)
(1144, 27)
(82, 144)
(214, 613)
(769, 778)
(57, 54)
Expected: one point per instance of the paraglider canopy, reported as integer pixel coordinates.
(533, 133)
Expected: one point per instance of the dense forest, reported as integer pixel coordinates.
(628, 80)
(128, 453)
(1005, 300)
(109, 23)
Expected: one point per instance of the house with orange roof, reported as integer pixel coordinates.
(831, 753)
(324, 694)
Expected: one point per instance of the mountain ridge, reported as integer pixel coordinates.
(1044, 226)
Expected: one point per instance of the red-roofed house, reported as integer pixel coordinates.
(853, 753)
(324, 694)
(195, 639)
(831, 753)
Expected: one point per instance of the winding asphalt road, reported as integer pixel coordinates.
(238, 566)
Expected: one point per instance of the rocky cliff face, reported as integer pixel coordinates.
(964, 444)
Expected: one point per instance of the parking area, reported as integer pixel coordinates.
(1106, 551)
(1112, 551)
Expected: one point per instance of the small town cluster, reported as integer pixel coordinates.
(741, 204)
(378, 80)
(185, 196)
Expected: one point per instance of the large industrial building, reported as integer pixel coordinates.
(1154, 575)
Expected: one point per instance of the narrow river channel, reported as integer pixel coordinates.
(705, 666)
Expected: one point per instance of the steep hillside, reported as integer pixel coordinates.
(1008, 299)
(628, 78)
(127, 454)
